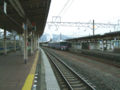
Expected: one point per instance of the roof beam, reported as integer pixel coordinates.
(17, 6)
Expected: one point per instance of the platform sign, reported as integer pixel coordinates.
(5, 7)
(14, 33)
(24, 26)
(33, 26)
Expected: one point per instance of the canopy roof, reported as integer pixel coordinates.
(106, 36)
(22, 11)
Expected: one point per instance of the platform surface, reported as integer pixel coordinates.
(50, 79)
(13, 71)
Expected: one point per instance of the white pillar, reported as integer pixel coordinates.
(15, 43)
(20, 42)
(102, 45)
(110, 44)
(118, 43)
(38, 42)
(5, 43)
(34, 41)
(25, 47)
(106, 45)
(32, 44)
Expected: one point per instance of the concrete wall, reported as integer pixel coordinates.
(109, 45)
(116, 46)
(94, 46)
(76, 45)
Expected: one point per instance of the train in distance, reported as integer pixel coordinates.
(61, 45)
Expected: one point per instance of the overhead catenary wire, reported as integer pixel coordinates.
(65, 5)
(68, 7)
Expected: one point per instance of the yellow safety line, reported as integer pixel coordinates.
(29, 81)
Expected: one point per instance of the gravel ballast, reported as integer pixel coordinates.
(100, 75)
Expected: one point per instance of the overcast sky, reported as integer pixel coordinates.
(103, 11)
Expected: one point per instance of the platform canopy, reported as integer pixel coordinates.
(15, 13)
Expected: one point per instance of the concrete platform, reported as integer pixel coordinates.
(50, 79)
(13, 71)
(15, 75)
(103, 54)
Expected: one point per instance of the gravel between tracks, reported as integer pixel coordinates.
(103, 76)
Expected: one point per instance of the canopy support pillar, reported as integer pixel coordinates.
(25, 47)
(32, 44)
(5, 43)
(15, 43)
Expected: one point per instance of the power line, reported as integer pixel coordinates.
(68, 7)
(64, 7)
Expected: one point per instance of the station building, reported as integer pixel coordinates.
(109, 42)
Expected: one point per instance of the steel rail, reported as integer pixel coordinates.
(72, 79)
(69, 86)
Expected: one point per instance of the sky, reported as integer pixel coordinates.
(102, 11)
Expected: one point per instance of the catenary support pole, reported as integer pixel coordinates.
(93, 27)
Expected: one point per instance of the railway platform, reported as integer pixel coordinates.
(13, 71)
(105, 54)
(49, 82)
(15, 75)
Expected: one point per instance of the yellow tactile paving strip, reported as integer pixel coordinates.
(29, 80)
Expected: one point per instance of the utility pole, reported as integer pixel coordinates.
(93, 27)
(60, 37)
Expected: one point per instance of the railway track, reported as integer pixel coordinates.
(67, 78)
